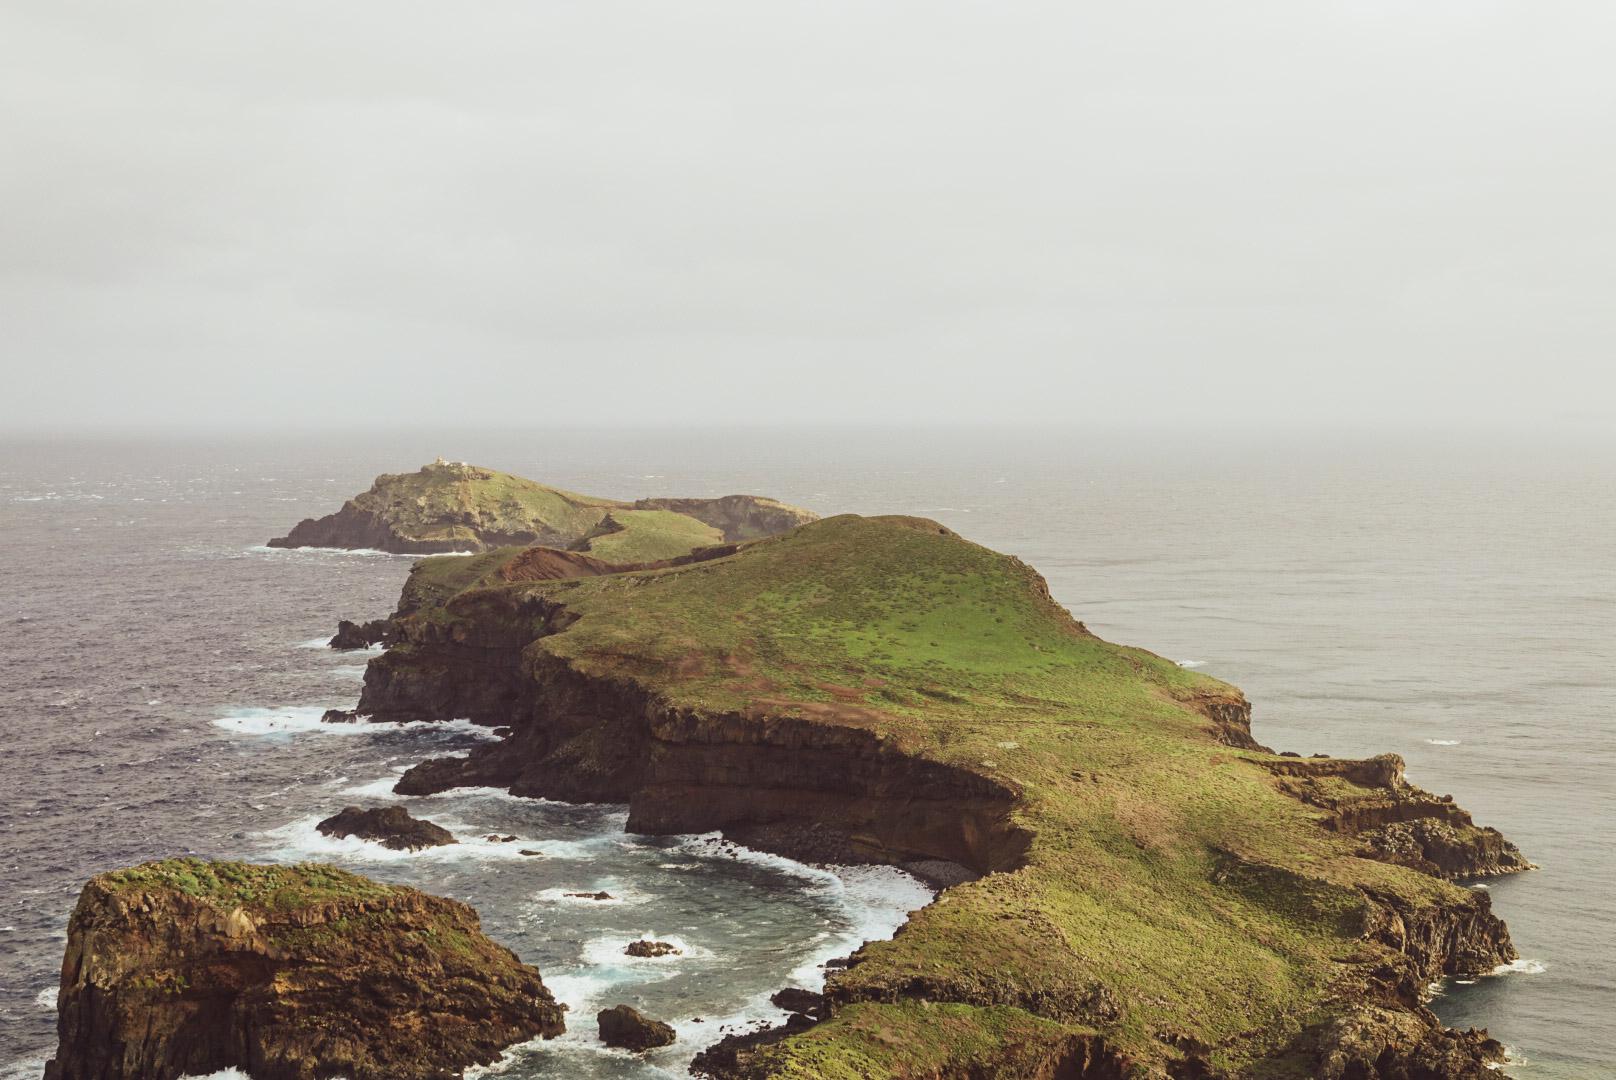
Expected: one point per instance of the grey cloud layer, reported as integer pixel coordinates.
(915, 211)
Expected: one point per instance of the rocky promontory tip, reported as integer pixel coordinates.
(188, 967)
(390, 826)
(352, 635)
(450, 506)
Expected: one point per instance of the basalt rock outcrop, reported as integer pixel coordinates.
(455, 507)
(651, 949)
(390, 826)
(188, 967)
(1144, 889)
(626, 1028)
(795, 999)
(354, 635)
(1395, 821)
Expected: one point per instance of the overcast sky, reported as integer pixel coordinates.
(378, 212)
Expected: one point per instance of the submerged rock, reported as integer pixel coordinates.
(188, 967)
(652, 949)
(626, 1028)
(390, 826)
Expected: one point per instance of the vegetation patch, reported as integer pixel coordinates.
(279, 888)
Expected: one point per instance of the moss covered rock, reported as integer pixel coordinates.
(187, 967)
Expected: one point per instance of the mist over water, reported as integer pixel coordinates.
(1451, 599)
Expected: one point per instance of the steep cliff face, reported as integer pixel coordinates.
(1142, 889)
(290, 973)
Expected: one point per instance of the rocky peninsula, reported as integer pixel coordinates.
(1142, 889)
(187, 967)
(455, 507)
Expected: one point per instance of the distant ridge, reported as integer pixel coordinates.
(456, 507)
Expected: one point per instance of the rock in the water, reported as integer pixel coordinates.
(625, 1027)
(602, 895)
(797, 1000)
(189, 967)
(652, 948)
(391, 826)
(339, 716)
(352, 635)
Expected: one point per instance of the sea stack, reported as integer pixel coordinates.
(390, 826)
(186, 967)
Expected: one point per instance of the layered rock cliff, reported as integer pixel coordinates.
(188, 967)
(1143, 890)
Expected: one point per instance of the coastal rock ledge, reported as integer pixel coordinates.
(186, 967)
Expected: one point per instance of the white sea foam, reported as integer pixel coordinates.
(24, 1068)
(578, 991)
(283, 721)
(605, 954)
(46, 998)
(1443, 742)
(350, 671)
(222, 1074)
(1522, 966)
(362, 553)
(301, 841)
(377, 789)
(302, 719)
(620, 895)
(875, 900)
(1191, 663)
(586, 990)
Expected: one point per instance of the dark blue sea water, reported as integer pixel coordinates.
(1449, 598)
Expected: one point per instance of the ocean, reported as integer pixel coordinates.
(1450, 597)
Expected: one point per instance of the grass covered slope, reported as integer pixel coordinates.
(1171, 903)
(455, 507)
(642, 536)
(448, 506)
